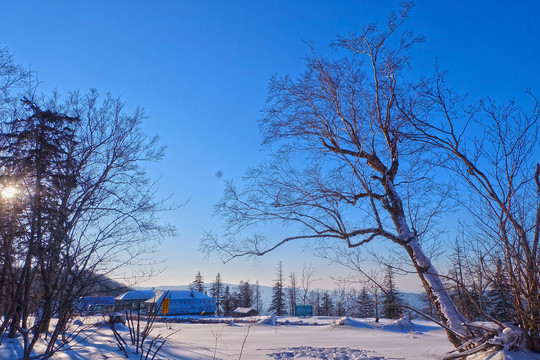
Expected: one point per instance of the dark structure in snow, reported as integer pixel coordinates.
(180, 302)
(244, 312)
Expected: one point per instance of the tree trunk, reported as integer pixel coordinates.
(437, 294)
(448, 313)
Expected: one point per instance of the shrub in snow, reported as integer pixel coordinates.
(341, 321)
(268, 320)
(404, 322)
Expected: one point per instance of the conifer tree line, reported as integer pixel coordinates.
(244, 295)
(286, 294)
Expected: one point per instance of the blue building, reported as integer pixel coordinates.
(133, 299)
(180, 302)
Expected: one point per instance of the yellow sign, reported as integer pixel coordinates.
(165, 306)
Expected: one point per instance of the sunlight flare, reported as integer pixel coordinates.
(9, 192)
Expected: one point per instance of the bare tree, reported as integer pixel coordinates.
(307, 279)
(13, 80)
(468, 281)
(344, 169)
(494, 150)
(88, 209)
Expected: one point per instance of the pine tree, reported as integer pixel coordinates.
(392, 298)
(258, 298)
(316, 302)
(217, 293)
(500, 306)
(198, 284)
(228, 302)
(366, 306)
(244, 295)
(327, 304)
(278, 299)
(340, 302)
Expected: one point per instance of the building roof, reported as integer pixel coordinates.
(177, 295)
(136, 295)
(243, 310)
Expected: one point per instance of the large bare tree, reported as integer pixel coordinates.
(344, 168)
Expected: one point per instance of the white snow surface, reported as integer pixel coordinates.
(269, 338)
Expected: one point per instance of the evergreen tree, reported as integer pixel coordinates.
(340, 297)
(470, 303)
(244, 295)
(366, 306)
(315, 301)
(258, 298)
(500, 306)
(217, 293)
(327, 304)
(198, 284)
(278, 297)
(392, 298)
(228, 302)
(292, 293)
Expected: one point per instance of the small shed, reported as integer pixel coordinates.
(244, 312)
(180, 302)
(133, 299)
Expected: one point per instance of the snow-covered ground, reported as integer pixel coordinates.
(291, 338)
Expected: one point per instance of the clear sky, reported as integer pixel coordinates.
(201, 70)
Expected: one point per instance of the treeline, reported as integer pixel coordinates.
(482, 289)
(480, 292)
(367, 301)
(348, 299)
(245, 295)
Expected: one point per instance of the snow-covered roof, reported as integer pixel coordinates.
(178, 295)
(243, 310)
(136, 295)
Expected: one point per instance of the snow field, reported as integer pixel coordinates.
(306, 339)
(258, 338)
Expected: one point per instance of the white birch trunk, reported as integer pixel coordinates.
(438, 294)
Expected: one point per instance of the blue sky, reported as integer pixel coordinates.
(201, 69)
